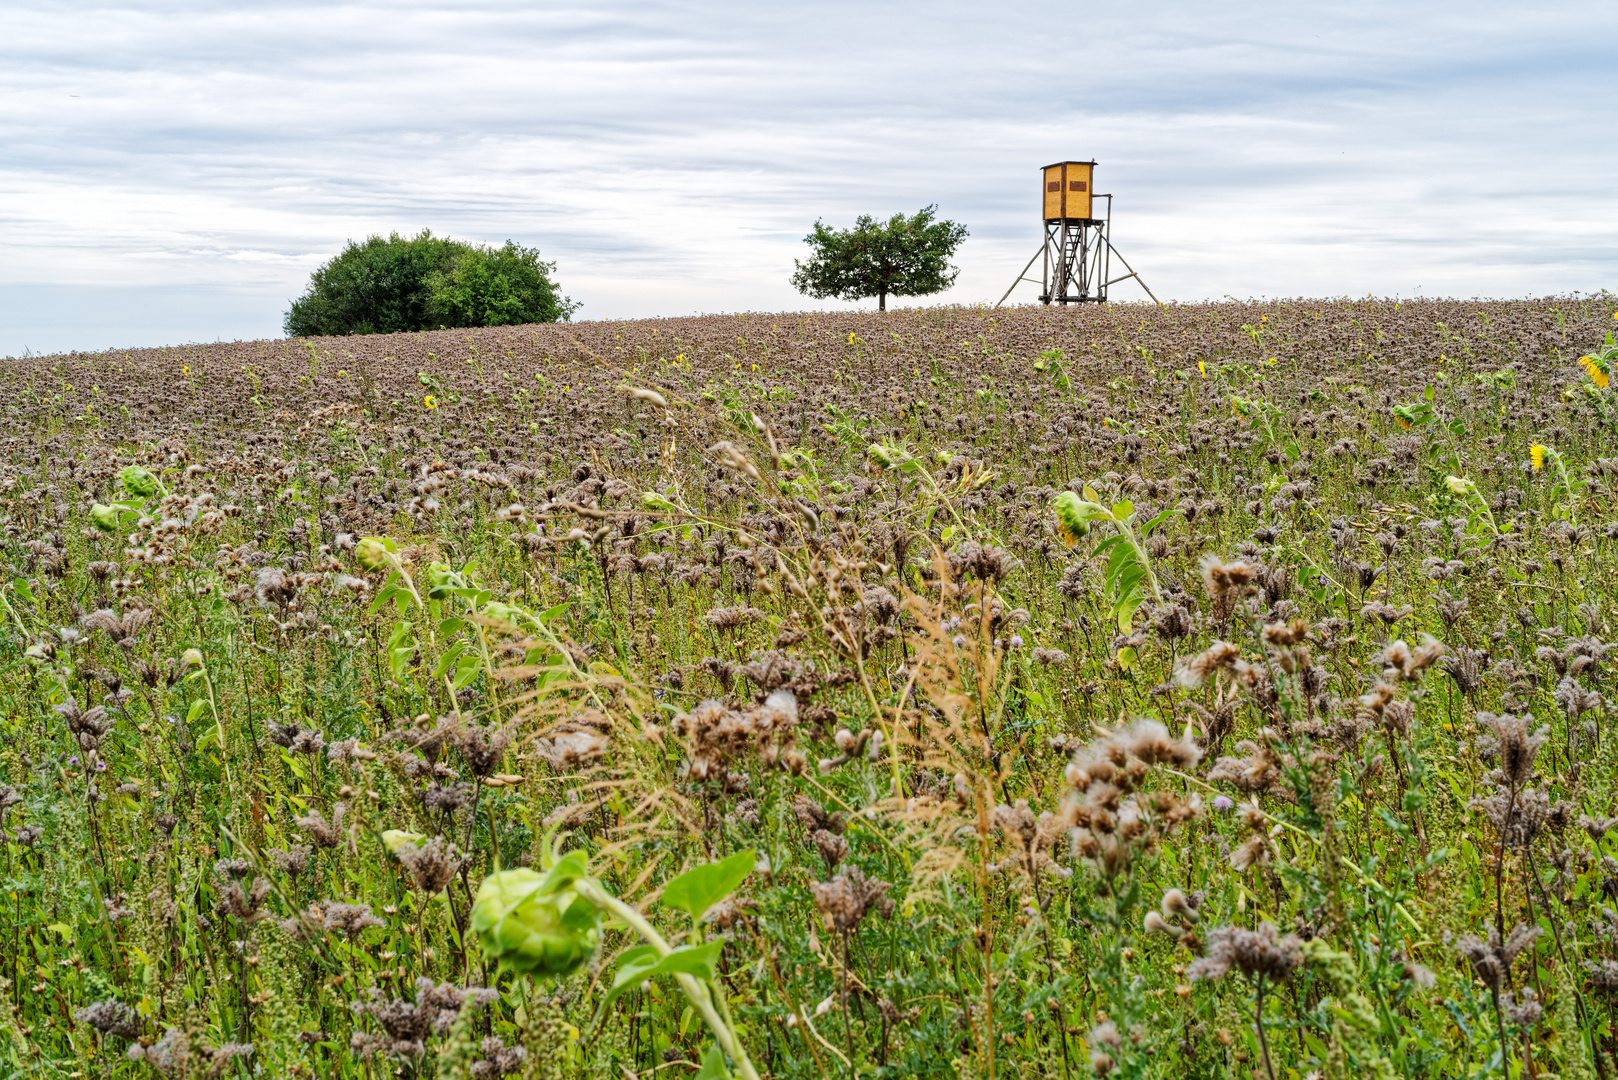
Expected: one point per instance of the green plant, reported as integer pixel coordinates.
(1129, 571)
(394, 284)
(487, 286)
(903, 256)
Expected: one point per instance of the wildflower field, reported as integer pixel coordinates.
(1199, 691)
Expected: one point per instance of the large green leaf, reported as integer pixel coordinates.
(701, 887)
(401, 647)
(451, 655)
(642, 963)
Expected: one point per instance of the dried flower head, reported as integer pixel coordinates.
(1258, 954)
(844, 900)
(1491, 960)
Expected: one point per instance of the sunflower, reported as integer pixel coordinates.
(1596, 368)
(1536, 455)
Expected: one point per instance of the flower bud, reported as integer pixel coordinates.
(138, 481)
(538, 924)
(104, 517)
(371, 553)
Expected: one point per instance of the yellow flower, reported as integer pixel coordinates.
(1593, 367)
(1202, 369)
(1536, 454)
(185, 369)
(430, 401)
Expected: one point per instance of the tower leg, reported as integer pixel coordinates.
(1022, 274)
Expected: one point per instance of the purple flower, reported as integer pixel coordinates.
(1222, 803)
(1016, 641)
(101, 766)
(72, 761)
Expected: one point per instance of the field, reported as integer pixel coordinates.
(1199, 691)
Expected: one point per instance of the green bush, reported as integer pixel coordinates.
(485, 286)
(425, 282)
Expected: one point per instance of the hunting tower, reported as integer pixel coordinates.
(1077, 250)
(1068, 190)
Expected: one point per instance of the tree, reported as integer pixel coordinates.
(505, 286)
(385, 286)
(904, 256)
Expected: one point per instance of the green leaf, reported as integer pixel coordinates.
(1122, 509)
(1126, 608)
(1158, 520)
(698, 961)
(642, 963)
(701, 887)
(451, 655)
(713, 1064)
(1105, 545)
(401, 646)
(467, 670)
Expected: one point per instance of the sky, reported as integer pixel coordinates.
(173, 172)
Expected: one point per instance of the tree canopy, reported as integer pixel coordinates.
(392, 284)
(903, 256)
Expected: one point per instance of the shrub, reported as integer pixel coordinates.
(424, 282)
(487, 286)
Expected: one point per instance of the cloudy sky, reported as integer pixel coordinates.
(172, 172)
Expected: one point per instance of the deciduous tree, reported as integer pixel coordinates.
(903, 256)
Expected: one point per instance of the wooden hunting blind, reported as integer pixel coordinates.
(1068, 190)
(1077, 250)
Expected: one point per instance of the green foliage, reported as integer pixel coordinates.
(1128, 574)
(487, 286)
(644, 962)
(701, 887)
(903, 256)
(374, 287)
(396, 284)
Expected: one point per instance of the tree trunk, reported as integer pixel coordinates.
(882, 301)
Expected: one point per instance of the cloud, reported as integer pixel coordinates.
(670, 158)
